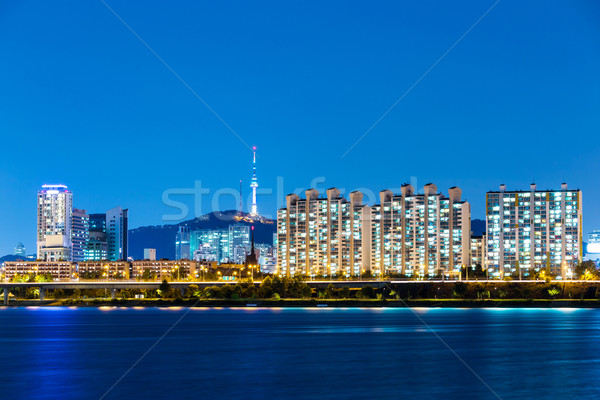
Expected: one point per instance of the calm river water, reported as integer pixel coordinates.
(80, 353)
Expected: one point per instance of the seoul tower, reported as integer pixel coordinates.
(254, 186)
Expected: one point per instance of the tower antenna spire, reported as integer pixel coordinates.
(241, 203)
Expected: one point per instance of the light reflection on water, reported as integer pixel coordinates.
(253, 353)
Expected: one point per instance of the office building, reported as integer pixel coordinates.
(54, 223)
(80, 234)
(267, 258)
(210, 245)
(420, 235)
(117, 233)
(108, 234)
(323, 236)
(533, 230)
(97, 248)
(593, 246)
(20, 250)
(150, 254)
(239, 243)
(182, 243)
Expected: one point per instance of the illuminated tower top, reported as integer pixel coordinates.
(254, 185)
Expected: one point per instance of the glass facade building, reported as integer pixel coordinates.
(239, 243)
(80, 234)
(210, 245)
(182, 244)
(117, 221)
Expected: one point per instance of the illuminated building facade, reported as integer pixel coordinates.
(20, 250)
(59, 270)
(593, 247)
(54, 223)
(182, 243)
(478, 248)
(327, 236)
(239, 243)
(103, 269)
(530, 231)
(420, 235)
(80, 234)
(163, 269)
(210, 245)
(117, 221)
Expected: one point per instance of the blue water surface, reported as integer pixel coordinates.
(325, 353)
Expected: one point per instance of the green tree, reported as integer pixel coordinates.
(367, 291)
(148, 275)
(212, 292)
(587, 270)
(192, 291)
(165, 288)
(265, 290)
(553, 292)
(459, 290)
(330, 292)
(345, 292)
(306, 291)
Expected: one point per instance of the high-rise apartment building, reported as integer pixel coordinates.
(80, 234)
(323, 235)
(54, 223)
(420, 235)
(533, 230)
(478, 248)
(182, 243)
(414, 235)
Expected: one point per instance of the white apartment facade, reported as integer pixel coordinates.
(420, 235)
(54, 223)
(534, 230)
(324, 236)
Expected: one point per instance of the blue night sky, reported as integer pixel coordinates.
(83, 102)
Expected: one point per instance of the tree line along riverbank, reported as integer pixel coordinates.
(291, 291)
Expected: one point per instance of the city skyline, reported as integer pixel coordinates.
(464, 125)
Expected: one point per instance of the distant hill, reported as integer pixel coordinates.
(13, 257)
(478, 227)
(162, 237)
